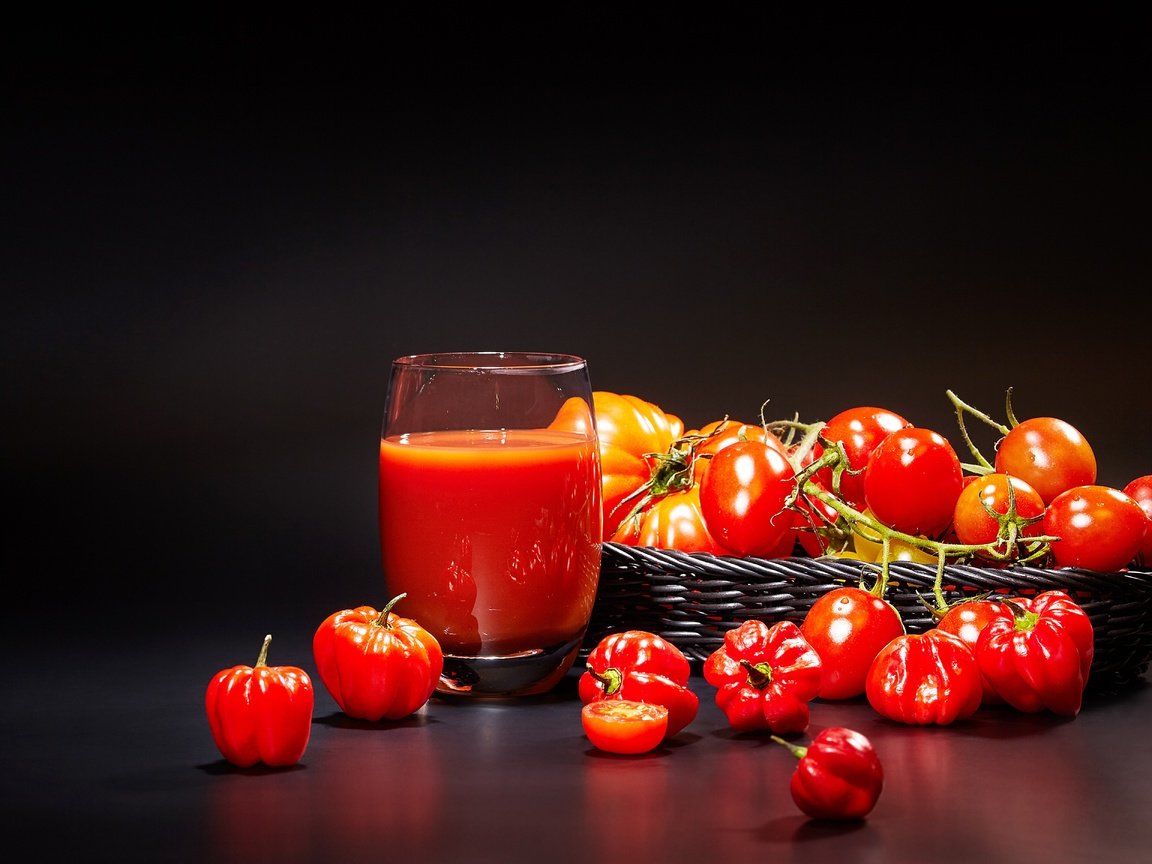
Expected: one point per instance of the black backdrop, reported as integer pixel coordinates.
(216, 241)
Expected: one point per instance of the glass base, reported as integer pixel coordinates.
(525, 673)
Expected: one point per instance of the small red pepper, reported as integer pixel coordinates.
(839, 775)
(377, 665)
(765, 677)
(639, 666)
(260, 713)
(1040, 658)
(925, 678)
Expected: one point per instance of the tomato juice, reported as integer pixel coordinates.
(494, 536)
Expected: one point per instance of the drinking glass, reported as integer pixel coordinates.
(490, 519)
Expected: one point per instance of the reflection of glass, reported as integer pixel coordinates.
(490, 512)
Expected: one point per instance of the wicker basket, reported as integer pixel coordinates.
(693, 599)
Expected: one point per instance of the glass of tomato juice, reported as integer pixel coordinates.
(490, 520)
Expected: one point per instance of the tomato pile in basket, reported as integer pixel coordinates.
(867, 484)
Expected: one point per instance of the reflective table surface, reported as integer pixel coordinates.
(107, 755)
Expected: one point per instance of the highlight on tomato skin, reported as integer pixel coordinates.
(624, 726)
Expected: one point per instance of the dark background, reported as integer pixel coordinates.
(216, 240)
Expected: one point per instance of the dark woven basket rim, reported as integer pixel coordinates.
(693, 598)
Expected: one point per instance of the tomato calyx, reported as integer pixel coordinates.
(382, 620)
(611, 678)
(759, 674)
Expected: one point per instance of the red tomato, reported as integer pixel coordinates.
(912, 481)
(1048, 454)
(859, 431)
(968, 620)
(628, 428)
(848, 626)
(1100, 528)
(973, 519)
(676, 522)
(624, 725)
(723, 433)
(926, 678)
(1141, 491)
(742, 497)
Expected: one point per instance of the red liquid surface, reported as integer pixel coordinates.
(495, 536)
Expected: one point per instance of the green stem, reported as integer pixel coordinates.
(382, 618)
(262, 660)
(797, 751)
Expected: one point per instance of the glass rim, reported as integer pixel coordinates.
(499, 362)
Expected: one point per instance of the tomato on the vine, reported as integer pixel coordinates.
(1100, 528)
(672, 522)
(1141, 491)
(973, 519)
(742, 497)
(1047, 453)
(859, 431)
(847, 627)
(912, 481)
(624, 725)
(718, 434)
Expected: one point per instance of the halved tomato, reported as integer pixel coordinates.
(624, 726)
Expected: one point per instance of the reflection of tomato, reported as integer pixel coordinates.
(848, 626)
(628, 428)
(1047, 453)
(1100, 528)
(675, 522)
(742, 497)
(975, 525)
(859, 431)
(912, 481)
(1141, 491)
(623, 725)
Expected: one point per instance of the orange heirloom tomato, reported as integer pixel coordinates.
(628, 428)
(624, 726)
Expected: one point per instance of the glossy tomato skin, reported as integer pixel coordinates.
(967, 620)
(930, 678)
(742, 497)
(839, 776)
(628, 427)
(1140, 490)
(676, 522)
(1041, 659)
(723, 433)
(972, 522)
(859, 430)
(1048, 454)
(624, 726)
(1100, 528)
(847, 627)
(913, 480)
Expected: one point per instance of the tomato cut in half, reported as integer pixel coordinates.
(624, 726)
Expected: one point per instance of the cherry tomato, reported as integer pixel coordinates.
(1048, 454)
(1100, 528)
(975, 525)
(912, 481)
(859, 431)
(967, 620)
(742, 497)
(848, 626)
(722, 433)
(676, 522)
(1141, 491)
(624, 725)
